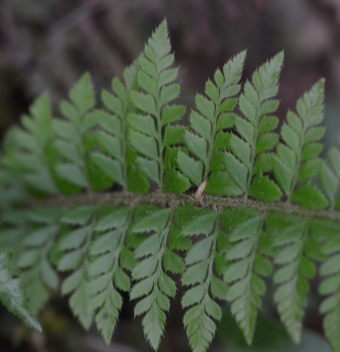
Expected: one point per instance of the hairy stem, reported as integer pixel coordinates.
(174, 200)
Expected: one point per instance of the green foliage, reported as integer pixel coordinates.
(248, 245)
(32, 159)
(109, 257)
(39, 276)
(225, 245)
(11, 293)
(214, 115)
(154, 286)
(256, 104)
(328, 233)
(297, 160)
(199, 273)
(292, 241)
(151, 130)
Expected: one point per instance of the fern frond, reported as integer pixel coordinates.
(214, 115)
(291, 238)
(202, 310)
(154, 286)
(39, 277)
(150, 130)
(11, 293)
(74, 246)
(75, 139)
(297, 162)
(106, 270)
(245, 254)
(114, 157)
(328, 234)
(103, 241)
(329, 175)
(246, 158)
(30, 155)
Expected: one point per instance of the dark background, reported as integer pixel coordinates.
(46, 45)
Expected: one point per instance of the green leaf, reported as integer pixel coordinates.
(103, 243)
(141, 138)
(168, 76)
(78, 215)
(173, 135)
(237, 171)
(104, 296)
(136, 181)
(311, 151)
(11, 293)
(172, 113)
(283, 174)
(156, 221)
(70, 261)
(314, 134)
(290, 138)
(72, 173)
(106, 318)
(202, 224)
(205, 106)
(173, 262)
(149, 246)
(155, 283)
(111, 145)
(263, 188)
(200, 250)
(143, 124)
(246, 287)
(310, 169)
(330, 284)
(199, 260)
(222, 142)
(35, 286)
(263, 163)
(175, 182)
(201, 125)
(169, 93)
(310, 197)
(111, 168)
(240, 149)
(65, 130)
(245, 129)
(40, 236)
(220, 184)
(290, 295)
(334, 160)
(113, 104)
(80, 304)
(191, 168)
(266, 142)
(269, 106)
(329, 182)
(68, 150)
(146, 82)
(75, 239)
(143, 144)
(149, 168)
(268, 124)
(114, 218)
(197, 145)
(225, 121)
(247, 109)
(145, 102)
(82, 94)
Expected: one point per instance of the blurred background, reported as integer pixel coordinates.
(46, 45)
